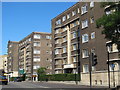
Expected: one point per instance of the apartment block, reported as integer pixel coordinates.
(13, 58)
(34, 51)
(75, 37)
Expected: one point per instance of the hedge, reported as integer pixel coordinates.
(59, 77)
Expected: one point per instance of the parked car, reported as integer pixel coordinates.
(3, 80)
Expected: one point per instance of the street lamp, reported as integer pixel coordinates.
(108, 45)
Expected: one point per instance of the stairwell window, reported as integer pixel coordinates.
(74, 34)
(84, 23)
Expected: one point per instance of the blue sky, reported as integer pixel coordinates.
(19, 19)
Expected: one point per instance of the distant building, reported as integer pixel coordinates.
(34, 51)
(13, 58)
(3, 62)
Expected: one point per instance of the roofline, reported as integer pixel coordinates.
(66, 10)
(33, 33)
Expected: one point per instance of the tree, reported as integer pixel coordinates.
(41, 71)
(111, 23)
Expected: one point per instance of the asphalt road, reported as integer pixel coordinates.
(44, 85)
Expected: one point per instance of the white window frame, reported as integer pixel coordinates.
(36, 51)
(64, 49)
(74, 47)
(85, 68)
(85, 23)
(56, 51)
(74, 34)
(36, 44)
(92, 4)
(92, 35)
(36, 59)
(37, 36)
(84, 9)
(58, 22)
(73, 13)
(68, 16)
(63, 18)
(85, 53)
(74, 59)
(85, 38)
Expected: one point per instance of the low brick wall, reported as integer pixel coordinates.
(100, 78)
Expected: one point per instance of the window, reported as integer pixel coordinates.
(92, 4)
(85, 53)
(113, 48)
(58, 22)
(68, 16)
(93, 35)
(92, 20)
(84, 38)
(36, 67)
(74, 47)
(74, 24)
(73, 13)
(63, 18)
(57, 31)
(48, 37)
(85, 23)
(36, 51)
(84, 9)
(36, 43)
(57, 41)
(108, 12)
(57, 51)
(10, 45)
(85, 68)
(74, 35)
(36, 59)
(74, 59)
(64, 39)
(64, 50)
(65, 28)
(36, 36)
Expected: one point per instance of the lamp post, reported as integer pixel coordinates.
(107, 45)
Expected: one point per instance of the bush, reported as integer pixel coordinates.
(59, 77)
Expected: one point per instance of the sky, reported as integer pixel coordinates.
(19, 19)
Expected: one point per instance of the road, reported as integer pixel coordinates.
(42, 86)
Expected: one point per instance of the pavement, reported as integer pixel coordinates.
(50, 85)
